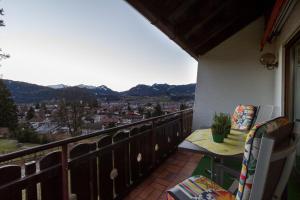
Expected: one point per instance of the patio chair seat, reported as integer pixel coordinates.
(199, 187)
(243, 117)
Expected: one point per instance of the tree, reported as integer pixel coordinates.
(26, 134)
(63, 117)
(128, 107)
(141, 110)
(157, 111)
(62, 113)
(183, 106)
(94, 103)
(76, 116)
(37, 106)
(2, 55)
(8, 109)
(1, 13)
(30, 113)
(43, 107)
(70, 114)
(148, 114)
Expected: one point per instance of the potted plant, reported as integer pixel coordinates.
(227, 122)
(220, 127)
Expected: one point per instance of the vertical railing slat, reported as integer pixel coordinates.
(51, 185)
(134, 149)
(83, 174)
(9, 174)
(121, 164)
(31, 190)
(105, 168)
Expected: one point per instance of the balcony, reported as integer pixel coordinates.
(111, 164)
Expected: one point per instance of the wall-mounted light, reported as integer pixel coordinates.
(269, 61)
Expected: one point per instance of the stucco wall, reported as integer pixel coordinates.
(231, 74)
(291, 27)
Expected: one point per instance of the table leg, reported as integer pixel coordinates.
(221, 172)
(212, 172)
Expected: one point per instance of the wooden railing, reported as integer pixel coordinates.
(106, 163)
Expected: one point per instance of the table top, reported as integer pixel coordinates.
(189, 146)
(201, 141)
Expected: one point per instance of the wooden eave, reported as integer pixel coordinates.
(197, 26)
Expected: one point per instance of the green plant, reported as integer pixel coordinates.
(221, 126)
(227, 125)
(25, 134)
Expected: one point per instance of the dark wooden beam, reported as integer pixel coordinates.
(200, 12)
(212, 34)
(181, 10)
(225, 24)
(227, 31)
(213, 14)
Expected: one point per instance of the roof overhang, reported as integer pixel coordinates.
(198, 26)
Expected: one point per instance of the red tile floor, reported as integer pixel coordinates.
(175, 169)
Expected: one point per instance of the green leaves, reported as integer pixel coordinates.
(221, 123)
(8, 110)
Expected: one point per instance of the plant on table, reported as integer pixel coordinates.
(221, 127)
(227, 122)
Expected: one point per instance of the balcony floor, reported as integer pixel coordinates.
(176, 168)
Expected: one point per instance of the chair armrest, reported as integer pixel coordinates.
(232, 172)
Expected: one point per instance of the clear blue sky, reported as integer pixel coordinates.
(90, 42)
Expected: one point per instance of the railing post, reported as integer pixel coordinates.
(64, 165)
(153, 142)
(182, 126)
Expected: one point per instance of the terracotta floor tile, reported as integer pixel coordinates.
(163, 196)
(155, 195)
(175, 169)
(158, 186)
(162, 181)
(146, 192)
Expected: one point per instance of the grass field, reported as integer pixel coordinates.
(8, 145)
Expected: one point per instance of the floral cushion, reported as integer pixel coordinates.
(198, 187)
(243, 117)
(252, 146)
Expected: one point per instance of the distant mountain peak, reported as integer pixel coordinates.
(58, 86)
(159, 84)
(86, 86)
(104, 87)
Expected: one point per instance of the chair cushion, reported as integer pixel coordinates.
(243, 117)
(198, 187)
(252, 146)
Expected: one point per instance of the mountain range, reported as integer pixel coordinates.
(23, 92)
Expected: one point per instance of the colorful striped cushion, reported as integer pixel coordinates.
(243, 117)
(198, 187)
(252, 147)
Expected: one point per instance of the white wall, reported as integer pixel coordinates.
(231, 74)
(290, 28)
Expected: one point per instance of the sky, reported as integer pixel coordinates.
(92, 42)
